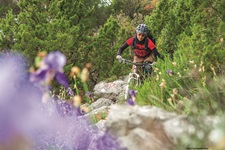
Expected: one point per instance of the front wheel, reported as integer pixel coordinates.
(132, 82)
(147, 75)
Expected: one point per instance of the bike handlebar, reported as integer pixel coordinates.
(125, 61)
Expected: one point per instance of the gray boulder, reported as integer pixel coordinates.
(146, 127)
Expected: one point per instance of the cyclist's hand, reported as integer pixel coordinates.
(118, 57)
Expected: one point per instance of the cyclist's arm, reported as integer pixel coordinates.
(152, 47)
(125, 45)
(122, 48)
(156, 53)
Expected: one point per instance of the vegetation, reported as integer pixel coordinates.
(190, 35)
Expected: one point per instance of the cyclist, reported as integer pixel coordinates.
(144, 49)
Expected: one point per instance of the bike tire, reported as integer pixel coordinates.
(147, 75)
(130, 84)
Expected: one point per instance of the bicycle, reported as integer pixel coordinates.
(135, 78)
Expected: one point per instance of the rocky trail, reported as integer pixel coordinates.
(139, 127)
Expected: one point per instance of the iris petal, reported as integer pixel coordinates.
(40, 75)
(61, 78)
(132, 93)
(130, 102)
(55, 60)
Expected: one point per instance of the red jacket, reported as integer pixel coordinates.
(141, 48)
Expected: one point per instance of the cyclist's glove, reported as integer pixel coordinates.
(119, 58)
(157, 54)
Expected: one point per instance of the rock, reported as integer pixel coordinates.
(102, 110)
(140, 139)
(146, 127)
(101, 125)
(176, 127)
(112, 90)
(100, 102)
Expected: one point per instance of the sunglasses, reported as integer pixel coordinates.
(140, 34)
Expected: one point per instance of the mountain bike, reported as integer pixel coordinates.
(139, 73)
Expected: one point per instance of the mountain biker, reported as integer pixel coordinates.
(144, 49)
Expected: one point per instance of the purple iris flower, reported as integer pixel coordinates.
(55, 124)
(55, 60)
(51, 67)
(130, 101)
(108, 142)
(70, 92)
(89, 95)
(170, 72)
(132, 93)
(67, 109)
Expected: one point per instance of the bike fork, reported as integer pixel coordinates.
(133, 80)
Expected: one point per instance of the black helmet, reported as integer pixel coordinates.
(142, 28)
